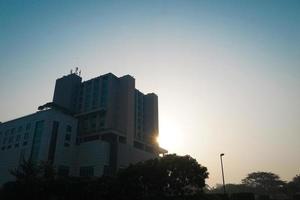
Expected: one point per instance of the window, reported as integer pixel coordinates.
(4, 140)
(20, 128)
(68, 137)
(85, 124)
(25, 143)
(66, 144)
(86, 171)
(9, 146)
(93, 122)
(12, 131)
(122, 140)
(87, 102)
(104, 92)
(6, 132)
(69, 128)
(101, 123)
(63, 170)
(52, 147)
(28, 126)
(149, 149)
(138, 145)
(17, 145)
(11, 139)
(3, 148)
(36, 143)
(18, 138)
(89, 87)
(22, 155)
(26, 136)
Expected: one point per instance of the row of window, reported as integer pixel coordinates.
(67, 140)
(87, 171)
(66, 143)
(95, 96)
(15, 146)
(10, 140)
(17, 138)
(12, 131)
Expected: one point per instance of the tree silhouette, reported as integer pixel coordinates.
(264, 182)
(168, 176)
(27, 180)
(231, 188)
(293, 187)
(26, 172)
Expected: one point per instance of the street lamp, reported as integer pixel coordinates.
(221, 155)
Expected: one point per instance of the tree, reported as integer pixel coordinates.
(27, 180)
(171, 175)
(264, 182)
(33, 179)
(26, 172)
(231, 188)
(167, 177)
(293, 186)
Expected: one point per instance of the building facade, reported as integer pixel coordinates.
(47, 135)
(90, 128)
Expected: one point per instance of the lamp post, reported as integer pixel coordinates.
(221, 155)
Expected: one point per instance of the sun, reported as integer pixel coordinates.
(170, 136)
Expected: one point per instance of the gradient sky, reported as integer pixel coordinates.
(227, 73)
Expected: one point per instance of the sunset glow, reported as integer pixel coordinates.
(226, 73)
(170, 136)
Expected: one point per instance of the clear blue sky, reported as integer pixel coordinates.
(227, 73)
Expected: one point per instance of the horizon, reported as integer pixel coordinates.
(227, 74)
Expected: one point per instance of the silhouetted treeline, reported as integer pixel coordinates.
(169, 177)
(263, 186)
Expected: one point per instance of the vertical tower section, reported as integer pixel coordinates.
(125, 106)
(139, 116)
(150, 122)
(66, 91)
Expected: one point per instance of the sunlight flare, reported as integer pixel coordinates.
(170, 136)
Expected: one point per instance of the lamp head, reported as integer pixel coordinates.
(222, 154)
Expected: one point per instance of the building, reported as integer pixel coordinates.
(90, 128)
(46, 135)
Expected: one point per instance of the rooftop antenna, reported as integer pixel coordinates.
(76, 70)
(79, 72)
(71, 71)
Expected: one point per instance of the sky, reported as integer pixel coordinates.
(227, 73)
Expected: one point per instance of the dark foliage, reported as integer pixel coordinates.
(242, 196)
(169, 177)
(232, 188)
(264, 182)
(293, 187)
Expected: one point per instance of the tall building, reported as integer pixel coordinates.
(90, 128)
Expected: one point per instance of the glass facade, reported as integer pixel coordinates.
(36, 143)
(63, 170)
(52, 146)
(86, 171)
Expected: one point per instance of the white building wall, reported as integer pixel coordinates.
(10, 157)
(95, 154)
(128, 154)
(63, 153)
(91, 154)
